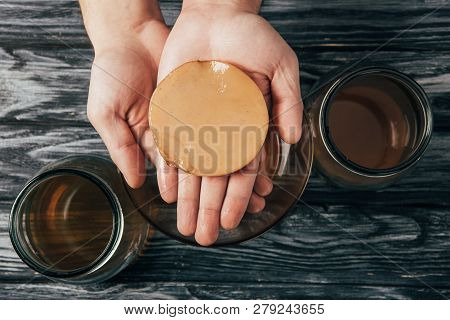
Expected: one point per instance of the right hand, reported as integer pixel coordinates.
(123, 78)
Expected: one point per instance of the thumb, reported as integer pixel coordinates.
(121, 144)
(287, 104)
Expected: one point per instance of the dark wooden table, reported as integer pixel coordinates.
(350, 245)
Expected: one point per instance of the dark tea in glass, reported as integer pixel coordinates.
(70, 221)
(75, 222)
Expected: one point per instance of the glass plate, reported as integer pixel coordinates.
(289, 166)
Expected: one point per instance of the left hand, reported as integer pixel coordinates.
(231, 33)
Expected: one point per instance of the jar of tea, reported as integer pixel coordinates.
(370, 126)
(74, 221)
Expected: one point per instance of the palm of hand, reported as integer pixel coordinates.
(123, 78)
(121, 85)
(249, 42)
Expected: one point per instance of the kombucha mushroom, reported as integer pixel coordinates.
(208, 118)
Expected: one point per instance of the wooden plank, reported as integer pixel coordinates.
(212, 290)
(25, 149)
(45, 55)
(324, 23)
(52, 85)
(367, 245)
(58, 22)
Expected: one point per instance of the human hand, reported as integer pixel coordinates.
(231, 31)
(123, 77)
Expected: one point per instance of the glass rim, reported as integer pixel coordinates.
(413, 88)
(22, 248)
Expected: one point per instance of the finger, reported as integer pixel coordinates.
(240, 186)
(167, 180)
(263, 155)
(167, 176)
(188, 201)
(287, 104)
(263, 185)
(148, 146)
(256, 204)
(212, 193)
(121, 144)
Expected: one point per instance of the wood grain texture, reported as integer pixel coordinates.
(366, 245)
(213, 290)
(24, 149)
(53, 48)
(389, 244)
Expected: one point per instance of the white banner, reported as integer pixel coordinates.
(226, 310)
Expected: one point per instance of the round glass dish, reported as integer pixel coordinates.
(289, 166)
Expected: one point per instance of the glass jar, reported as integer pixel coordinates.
(74, 221)
(414, 110)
